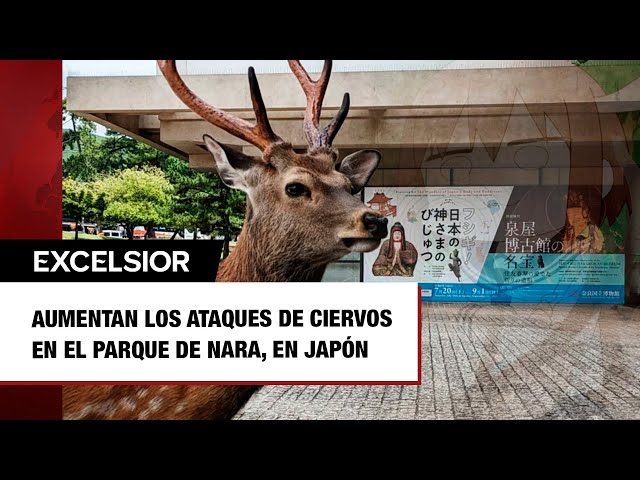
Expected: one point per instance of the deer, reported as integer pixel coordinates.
(302, 213)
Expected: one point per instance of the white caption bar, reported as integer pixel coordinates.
(372, 352)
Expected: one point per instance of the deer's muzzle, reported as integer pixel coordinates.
(375, 225)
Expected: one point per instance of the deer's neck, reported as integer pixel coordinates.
(251, 263)
(258, 257)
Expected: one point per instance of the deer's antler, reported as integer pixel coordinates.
(314, 91)
(261, 135)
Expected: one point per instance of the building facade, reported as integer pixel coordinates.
(560, 141)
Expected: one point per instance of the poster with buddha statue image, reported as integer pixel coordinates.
(502, 243)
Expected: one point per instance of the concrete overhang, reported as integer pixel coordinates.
(388, 109)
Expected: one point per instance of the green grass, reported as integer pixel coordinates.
(84, 236)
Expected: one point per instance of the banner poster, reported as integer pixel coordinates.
(496, 244)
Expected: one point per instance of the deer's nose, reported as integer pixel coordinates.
(376, 225)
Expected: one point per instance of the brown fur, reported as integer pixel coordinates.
(284, 239)
(154, 402)
(292, 240)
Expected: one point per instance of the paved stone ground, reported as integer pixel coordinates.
(483, 361)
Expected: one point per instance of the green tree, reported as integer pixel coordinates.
(82, 200)
(95, 203)
(87, 155)
(80, 146)
(118, 152)
(204, 203)
(137, 197)
(73, 199)
(201, 201)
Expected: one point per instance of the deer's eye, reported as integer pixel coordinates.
(297, 190)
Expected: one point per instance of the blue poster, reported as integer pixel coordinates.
(498, 244)
(546, 278)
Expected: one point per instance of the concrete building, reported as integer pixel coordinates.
(457, 123)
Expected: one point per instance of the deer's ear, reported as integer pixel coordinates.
(231, 164)
(359, 166)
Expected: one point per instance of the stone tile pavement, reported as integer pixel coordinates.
(483, 361)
